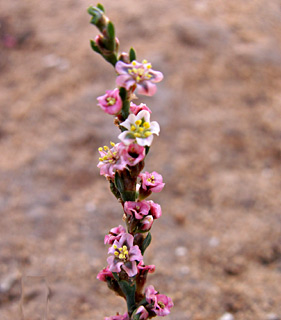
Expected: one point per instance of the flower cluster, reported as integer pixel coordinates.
(122, 165)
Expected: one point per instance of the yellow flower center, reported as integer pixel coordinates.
(121, 253)
(141, 129)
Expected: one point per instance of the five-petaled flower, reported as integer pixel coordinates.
(135, 109)
(139, 129)
(161, 304)
(104, 274)
(111, 102)
(111, 159)
(114, 234)
(140, 75)
(133, 154)
(124, 254)
(151, 181)
(137, 209)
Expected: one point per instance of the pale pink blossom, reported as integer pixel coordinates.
(133, 154)
(142, 312)
(124, 254)
(114, 234)
(104, 274)
(146, 223)
(138, 75)
(161, 304)
(142, 268)
(118, 317)
(111, 159)
(137, 209)
(139, 129)
(151, 181)
(155, 209)
(111, 102)
(135, 109)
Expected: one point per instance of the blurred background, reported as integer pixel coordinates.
(217, 247)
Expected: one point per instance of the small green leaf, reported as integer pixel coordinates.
(94, 46)
(129, 291)
(119, 183)
(132, 54)
(101, 7)
(146, 242)
(111, 30)
(147, 149)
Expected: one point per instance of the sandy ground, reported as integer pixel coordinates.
(217, 247)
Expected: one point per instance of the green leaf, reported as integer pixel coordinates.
(129, 291)
(119, 183)
(110, 30)
(132, 54)
(101, 7)
(147, 149)
(146, 242)
(96, 14)
(94, 46)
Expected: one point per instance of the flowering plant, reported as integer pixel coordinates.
(122, 165)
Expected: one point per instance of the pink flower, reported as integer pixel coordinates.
(125, 255)
(161, 304)
(135, 109)
(137, 209)
(139, 129)
(114, 234)
(133, 154)
(111, 160)
(104, 274)
(155, 209)
(150, 293)
(142, 312)
(138, 75)
(143, 268)
(111, 102)
(118, 317)
(152, 181)
(146, 223)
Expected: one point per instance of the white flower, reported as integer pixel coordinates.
(139, 129)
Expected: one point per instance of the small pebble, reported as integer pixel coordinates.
(272, 316)
(214, 242)
(181, 251)
(227, 316)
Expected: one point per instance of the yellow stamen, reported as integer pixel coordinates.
(144, 61)
(124, 247)
(105, 158)
(149, 76)
(147, 134)
(146, 125)
(112, 144)
(138, 78)
(110, 161)
(138, 122)
(141, 129)
(133, 128)
(126, 252)
(134, 63)
(116, 253)
(100, 149)
(121, 256)
(149, 66)
(137, 135)
(115, 246)
(106, 148)
(114, 153)
(152, 177)
(100, 159)
(135, 70)
(130, 71)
